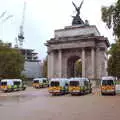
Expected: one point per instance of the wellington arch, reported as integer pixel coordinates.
(77, 42)
(80, 41)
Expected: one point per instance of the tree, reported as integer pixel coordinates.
(78, 68)
(45, 68)
(11, 62)
(111, 16)
(114, 60)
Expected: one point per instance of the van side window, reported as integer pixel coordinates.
(44, 81)
(66, 84)
(86, 83)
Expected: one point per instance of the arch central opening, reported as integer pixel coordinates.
(74, 67)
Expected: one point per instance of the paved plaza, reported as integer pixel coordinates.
(38, 104)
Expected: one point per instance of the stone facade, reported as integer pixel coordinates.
(73, 43)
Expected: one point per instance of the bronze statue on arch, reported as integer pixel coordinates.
(76, 19)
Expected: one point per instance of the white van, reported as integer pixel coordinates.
(58, 86)
(108, 85)
(40, 82)
(79, 86)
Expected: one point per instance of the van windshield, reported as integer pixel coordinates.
(36, 81)
(3, 83)
(74, 83)
(107, 82)
(54, 83)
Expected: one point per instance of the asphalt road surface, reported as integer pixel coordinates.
(38, 104)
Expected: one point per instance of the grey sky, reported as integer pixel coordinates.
(44, 16)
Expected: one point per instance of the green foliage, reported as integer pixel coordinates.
(111, 16)
(23, 77)
(78, 68)
(45, 68)
(107, 15)
(114, 60)
(11, 62)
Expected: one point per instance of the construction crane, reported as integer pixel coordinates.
(4, 18)
(20, 37)
(2, 15)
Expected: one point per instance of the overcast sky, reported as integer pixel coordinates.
(42, 17)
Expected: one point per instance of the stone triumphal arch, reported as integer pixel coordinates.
(75, 42)
(80, 41)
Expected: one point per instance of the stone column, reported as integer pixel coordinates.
(93, 62)
(60, 63)
(83, 62)
(49, 71)
(50, 64)
(26, 55)
(98, 64)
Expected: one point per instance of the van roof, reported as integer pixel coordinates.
(108, 78)
(39, 78)
(5, 80)
(16, 79)
(78, 78)
(58, 79)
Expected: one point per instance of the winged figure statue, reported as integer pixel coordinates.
(78, 8)
(77, 19)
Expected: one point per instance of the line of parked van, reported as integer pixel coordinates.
(81, 86)
(61, 85)
(73, 86)
(9, 85)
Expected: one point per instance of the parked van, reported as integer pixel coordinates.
(40, 82)
(108, 85)
(6, 85)
(58, 86)
(79, 86)
(18, 85)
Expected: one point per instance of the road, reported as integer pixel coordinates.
(37, 104)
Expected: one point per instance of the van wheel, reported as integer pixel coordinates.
(84, 92)
(23, 88)
(5, 91)
(114, 93)
(90, 90)
(102, 93)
